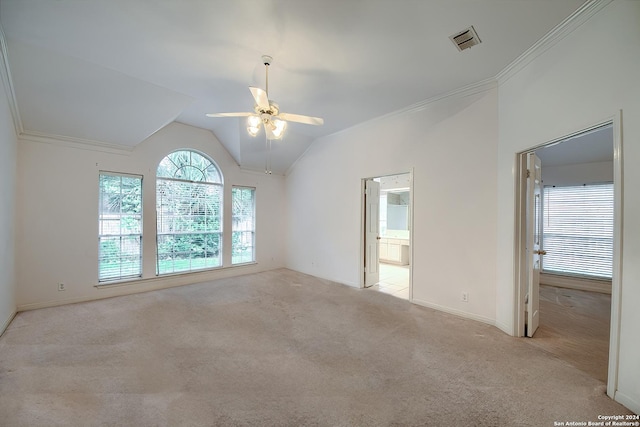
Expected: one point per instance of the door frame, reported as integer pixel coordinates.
(411, 227)
(534, 229)
(371, 186)
(520, 252)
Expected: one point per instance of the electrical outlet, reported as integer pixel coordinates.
(61, 287)
(465, 297)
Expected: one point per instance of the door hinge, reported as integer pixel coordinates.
(528, 173)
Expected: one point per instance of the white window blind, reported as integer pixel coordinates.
(578, 230)
(119, 227)
(189, 213)
(243, 245)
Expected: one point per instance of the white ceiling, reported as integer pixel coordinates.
(589, 147)
(116, 71)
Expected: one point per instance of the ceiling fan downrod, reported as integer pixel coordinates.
(266, 60)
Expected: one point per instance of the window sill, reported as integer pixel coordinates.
(169, 276)
(242, 264)
(576, 282)
(120, 282)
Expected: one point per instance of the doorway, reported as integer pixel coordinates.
(578, 317)
(387, 225)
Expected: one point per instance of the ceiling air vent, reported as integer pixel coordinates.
(465, 38)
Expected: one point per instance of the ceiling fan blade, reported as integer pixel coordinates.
(261, 98)
(230, 114)
(308, 120)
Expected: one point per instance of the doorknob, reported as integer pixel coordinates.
(378, 237)
(541, 252)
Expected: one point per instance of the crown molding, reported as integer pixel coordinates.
(553, 37)
(464, 91)
(566, 27)
(72, 142)
(5, 75)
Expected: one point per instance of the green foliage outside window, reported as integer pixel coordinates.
(189, 213)
(243, 227)
(120, 227)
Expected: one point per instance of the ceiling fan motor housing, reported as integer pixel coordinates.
(273, 110)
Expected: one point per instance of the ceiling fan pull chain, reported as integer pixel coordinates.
(267, 155)
(266, 158)
(270, 142)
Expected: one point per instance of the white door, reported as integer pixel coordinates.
(534, 228)
(372, 232)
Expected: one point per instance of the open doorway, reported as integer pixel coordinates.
(570, 235)
(387, 234)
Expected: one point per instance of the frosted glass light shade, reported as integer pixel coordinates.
(278, 128)
(253, 125)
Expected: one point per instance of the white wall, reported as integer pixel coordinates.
(578, 174)
(583, 80)
(451, 146)
(8, 160)
(58, 207)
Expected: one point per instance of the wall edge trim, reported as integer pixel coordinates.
(5, 325)
(461, 92)
(504, 328)
(559, 281)
(72, 142)
(334, 280)
(7, 80)
(455, 312)
(553, 37)
(627, 402)
(150, 284)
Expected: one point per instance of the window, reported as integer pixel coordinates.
(243, 248)
(119, 227)
(189, 213)
(578, 230)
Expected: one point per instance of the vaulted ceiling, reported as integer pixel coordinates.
(116, 71)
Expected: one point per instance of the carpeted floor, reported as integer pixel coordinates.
(279, 349)
(574, 326)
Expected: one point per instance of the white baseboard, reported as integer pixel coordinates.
(627, 402)
(323, 277)
(455, 312)
(5, 325)
(150, 284)
(582, 284)
(504, 328)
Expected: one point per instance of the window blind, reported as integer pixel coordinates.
(189, 194)
(243, 225)
(578, 230)
(119, 227)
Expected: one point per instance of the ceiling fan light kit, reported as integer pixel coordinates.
(267, 112)
(253, 125)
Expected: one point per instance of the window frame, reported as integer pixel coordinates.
(101, 234)
(253, 223)
(584, 274)
(218, 184)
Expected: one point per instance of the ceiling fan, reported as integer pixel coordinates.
(267, 112)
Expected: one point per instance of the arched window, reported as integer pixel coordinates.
(189, 213)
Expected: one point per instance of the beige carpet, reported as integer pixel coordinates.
(574, 326)
(279, 349)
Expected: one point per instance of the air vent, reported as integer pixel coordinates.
(465, 38)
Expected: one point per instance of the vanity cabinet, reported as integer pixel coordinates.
(394, 251)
